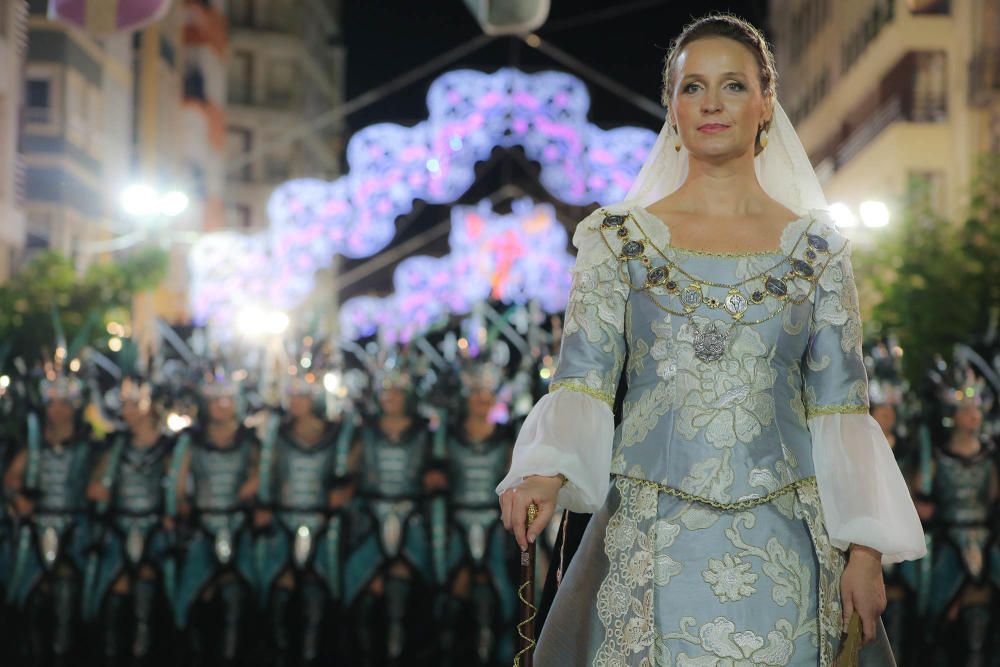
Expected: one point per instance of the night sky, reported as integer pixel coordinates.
(625, 40)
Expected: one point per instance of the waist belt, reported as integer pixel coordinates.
(745, 503)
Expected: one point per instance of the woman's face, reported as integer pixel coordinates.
(717, 104)
(300, 405)
(59, 411)
(481, 402)
(133, 412)
(968, 417)
(393, 401)
(221, 409)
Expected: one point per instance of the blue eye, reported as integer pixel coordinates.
(737, 85)
(690, 87)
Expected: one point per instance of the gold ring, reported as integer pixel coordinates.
(532, 513)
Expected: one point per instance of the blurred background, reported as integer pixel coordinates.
(343, 198)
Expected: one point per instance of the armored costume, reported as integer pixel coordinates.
(964, 489)
(388, 527)
(305, 535)
(129, 541)
(218, 551)
(51, 542)
(477, 540)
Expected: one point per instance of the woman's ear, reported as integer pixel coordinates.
(768, 112)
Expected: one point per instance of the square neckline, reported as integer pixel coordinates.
(779, 250)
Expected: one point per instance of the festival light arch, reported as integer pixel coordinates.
(390, 166)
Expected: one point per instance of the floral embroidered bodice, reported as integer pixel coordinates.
(726, 355)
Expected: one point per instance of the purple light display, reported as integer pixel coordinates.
(511, 258)
(470, 114)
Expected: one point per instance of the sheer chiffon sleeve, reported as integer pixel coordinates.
(864, 496)
(570, 431)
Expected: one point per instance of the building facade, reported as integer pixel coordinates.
(76, 137)
(283, 71)
(13, 41)
(884, 91)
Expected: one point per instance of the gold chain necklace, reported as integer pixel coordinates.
(709, 341)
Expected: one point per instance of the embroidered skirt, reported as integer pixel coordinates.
(661, 581)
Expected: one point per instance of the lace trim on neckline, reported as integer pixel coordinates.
(790, 235)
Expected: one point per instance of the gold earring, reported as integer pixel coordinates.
(763, 138)
(677, 140)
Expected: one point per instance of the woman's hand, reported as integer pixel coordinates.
(514, 503)
(862, 589)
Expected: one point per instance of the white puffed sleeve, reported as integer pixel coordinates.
(570, 431)
(864, 496)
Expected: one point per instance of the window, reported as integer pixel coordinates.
(38, 100)
(240, 12)
(281, 82)
(240, 141)
(240, 217)
(241, 78)
(930, 86)
(194, 84)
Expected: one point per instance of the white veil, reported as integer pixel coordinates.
(783, 169)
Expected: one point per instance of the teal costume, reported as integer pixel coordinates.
(388, 525)
(220, 540)
(478, 541)
(305, 535)
(130, 536)
(52, 542)
(965, 549)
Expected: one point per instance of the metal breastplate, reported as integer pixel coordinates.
(394, 469)
(59, 485)
(218, 475)
(140, 480)
(962, 488)
(475, 470)
(302, 475)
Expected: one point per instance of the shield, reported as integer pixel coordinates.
(50, 546)
(302, 547)
(135, 545)
(224, 546)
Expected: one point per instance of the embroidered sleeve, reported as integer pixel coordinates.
(593, 346)
(833, 367)
(570, 431)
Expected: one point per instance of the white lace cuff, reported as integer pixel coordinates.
(865, 498)
(569, 433)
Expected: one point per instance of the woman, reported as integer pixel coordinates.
(746, 469)
(962, 477)
(131, 547)
(297, 504)
(390, 556)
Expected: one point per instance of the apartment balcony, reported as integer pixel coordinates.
(898, 109)
(984, 76)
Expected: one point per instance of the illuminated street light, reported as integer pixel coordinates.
(173, 203)
(139, 200)
(143, 201)
(842, 215)
(874, 214)
(255, 322)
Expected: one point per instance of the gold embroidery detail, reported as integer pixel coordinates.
(672, 266)
(576, 385)
(744, 504)
(817, 410)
